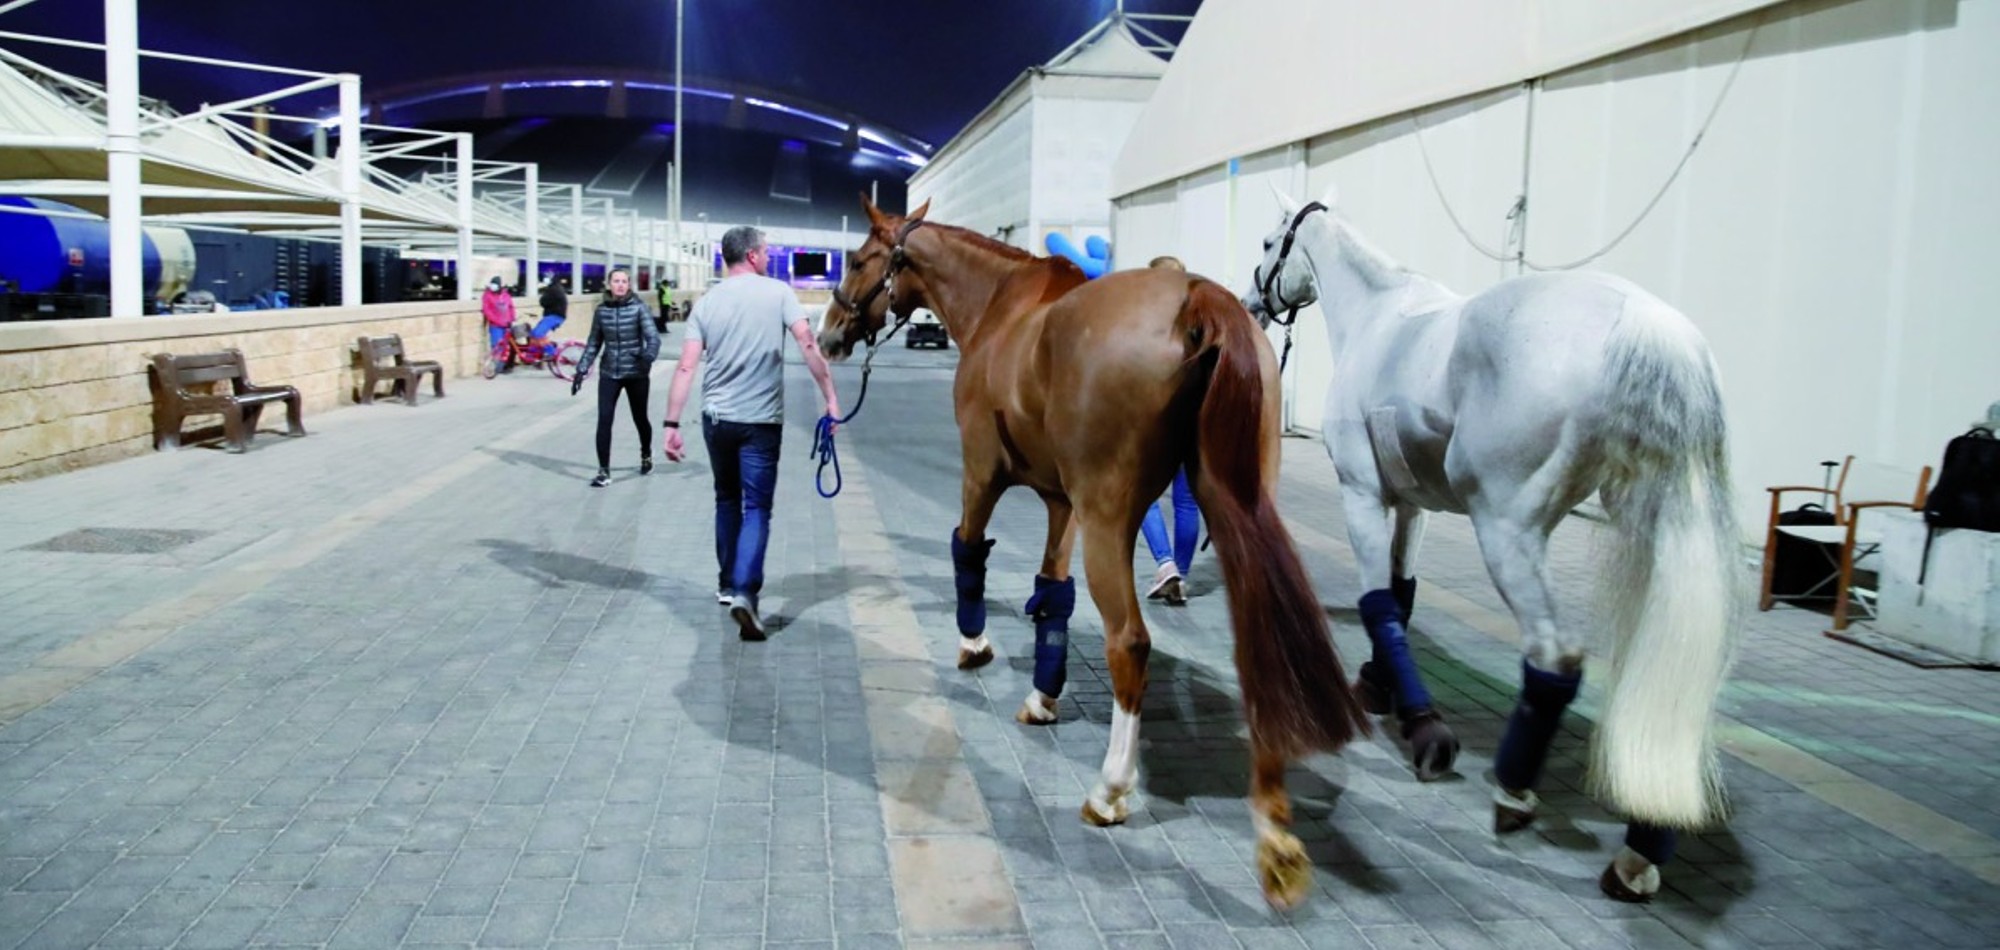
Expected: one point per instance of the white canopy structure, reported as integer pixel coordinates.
(1038, 159)
(217, 168)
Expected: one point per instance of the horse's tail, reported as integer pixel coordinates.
(1295, 694)
(1672, 590)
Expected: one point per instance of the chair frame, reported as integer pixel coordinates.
(1846, 514)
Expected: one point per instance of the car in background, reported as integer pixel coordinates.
(925, 330)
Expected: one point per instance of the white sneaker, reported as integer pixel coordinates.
(723, 596)
(1162, 578)
(743, 610)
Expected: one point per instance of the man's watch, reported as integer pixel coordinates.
(671, 424)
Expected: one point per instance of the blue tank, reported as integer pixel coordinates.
(72, 255)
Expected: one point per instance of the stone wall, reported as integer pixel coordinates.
(74, 392)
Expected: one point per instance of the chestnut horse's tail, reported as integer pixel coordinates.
(1295, 694)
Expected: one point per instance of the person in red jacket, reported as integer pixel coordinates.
(498, 307)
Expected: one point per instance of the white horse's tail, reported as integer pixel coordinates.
(1672, 590)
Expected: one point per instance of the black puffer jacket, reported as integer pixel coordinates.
(623, 330)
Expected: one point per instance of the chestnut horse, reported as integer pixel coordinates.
(1092, 394)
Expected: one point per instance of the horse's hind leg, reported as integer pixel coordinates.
(1283, 869)
(1127, 646)
(1053, 602)
(1634, 875)
(1404, 546)
(969, 549)
(1516, 556)
(1390, 679)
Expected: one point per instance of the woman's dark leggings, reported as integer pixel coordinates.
(636, 390)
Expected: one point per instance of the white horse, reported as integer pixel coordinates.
(1513, 406)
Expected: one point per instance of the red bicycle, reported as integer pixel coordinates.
(560, 356)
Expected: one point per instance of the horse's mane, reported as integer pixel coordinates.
(983, 242)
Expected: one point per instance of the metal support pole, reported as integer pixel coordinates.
(610, 249)
(674, 177)
(121, 147)
(467, 280)
(350, 190)
(576, 239)
(632, 241)
(534, 226)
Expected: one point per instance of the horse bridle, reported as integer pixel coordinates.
(1268, 286)
(823, 445)
(887, 285)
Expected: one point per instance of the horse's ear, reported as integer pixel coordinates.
(874, 213)
(1332, 196)
(1285, 201)
(918, 215)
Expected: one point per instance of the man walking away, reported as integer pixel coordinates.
(739, 326)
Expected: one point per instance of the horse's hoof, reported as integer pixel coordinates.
(1373, 698)
(1630, 878)
(1036, 710)
(974, 654)
(1283, 870)
(1614, 887)
(1512, 813)
(1104, 816)
(1433, 746)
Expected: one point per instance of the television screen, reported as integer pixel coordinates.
(809, 265)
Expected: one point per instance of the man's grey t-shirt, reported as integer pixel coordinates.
(742, 323)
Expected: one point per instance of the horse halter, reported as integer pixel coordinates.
(1267, 285)
(887, 285)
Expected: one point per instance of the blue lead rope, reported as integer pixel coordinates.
(823, 448)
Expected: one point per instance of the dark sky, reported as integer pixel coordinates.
(925, 67)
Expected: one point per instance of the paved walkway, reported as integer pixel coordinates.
(408, 682)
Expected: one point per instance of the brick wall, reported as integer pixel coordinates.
(74, 392)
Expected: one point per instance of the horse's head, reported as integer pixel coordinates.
(1281, 284)
(876, 284)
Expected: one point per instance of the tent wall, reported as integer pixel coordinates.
(1079, 124)
(984, 184)
(1831, 236)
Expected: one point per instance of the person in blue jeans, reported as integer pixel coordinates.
(739, 326)
(1169, 579)
(1175, 559)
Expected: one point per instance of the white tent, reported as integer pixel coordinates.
(1038, 159)
(1811, 183)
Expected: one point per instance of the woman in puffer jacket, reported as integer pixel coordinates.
(622, 330)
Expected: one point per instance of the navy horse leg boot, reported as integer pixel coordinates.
(1517, 767)
(1634, 875)
(968, 568)
(1051, 606)
(1433, 747)
(1373, 686)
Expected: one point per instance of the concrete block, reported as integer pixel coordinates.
(1957, 609)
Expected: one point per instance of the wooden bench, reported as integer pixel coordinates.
(405, 373)
(173, 401)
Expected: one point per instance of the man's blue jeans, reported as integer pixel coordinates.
(745, 459)
(1187, 527)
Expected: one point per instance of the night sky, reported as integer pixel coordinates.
(925, 67)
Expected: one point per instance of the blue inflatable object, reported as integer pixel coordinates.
(1095, 263)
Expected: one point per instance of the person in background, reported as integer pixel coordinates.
(1173, 561)
(740, 325)
(555, 309)
(498, 307)
(622, 330)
